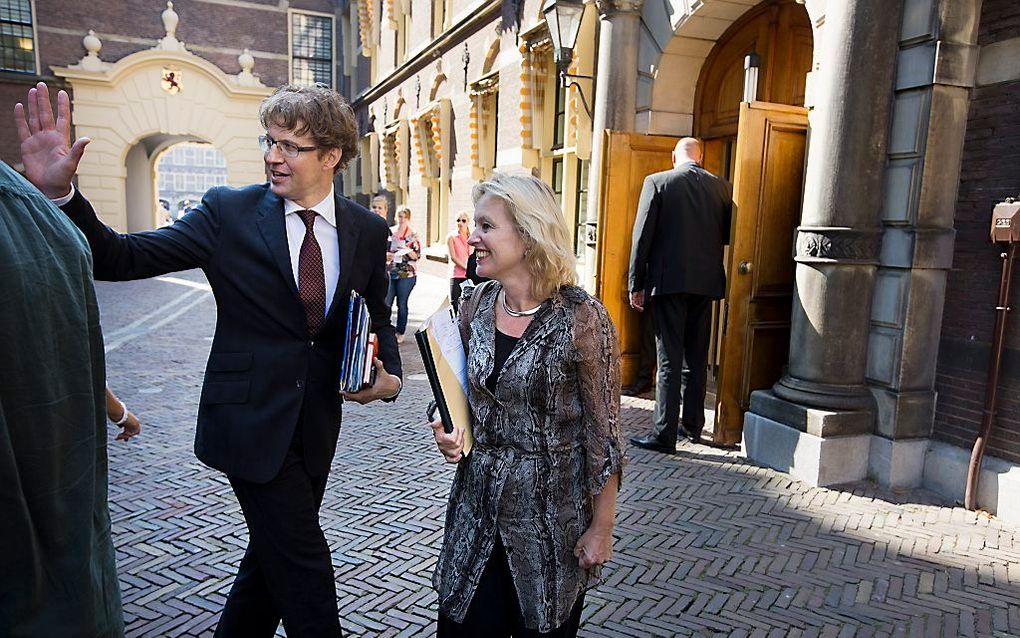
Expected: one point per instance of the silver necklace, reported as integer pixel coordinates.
(518, 313)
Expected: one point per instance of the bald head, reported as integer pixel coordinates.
(688, 149)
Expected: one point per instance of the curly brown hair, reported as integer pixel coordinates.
(316, 110)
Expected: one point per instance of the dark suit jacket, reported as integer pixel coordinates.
(265, 370)
(683, 222)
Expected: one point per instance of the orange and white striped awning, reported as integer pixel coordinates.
(366, 17)
(482, 103)
(534, 73)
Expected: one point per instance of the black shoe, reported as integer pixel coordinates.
(693, 437)
(635, 389)
(654, 443)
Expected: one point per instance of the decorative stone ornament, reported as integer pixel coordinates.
(91, 61)
(836, 244)
(170, 22)
(247, 62)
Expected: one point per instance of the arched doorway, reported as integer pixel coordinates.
(776, 32)
(695, 86)
(130, 114)
(755, 135)
(185, 170)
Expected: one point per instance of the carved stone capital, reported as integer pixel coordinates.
(609, 7)
(829, 244)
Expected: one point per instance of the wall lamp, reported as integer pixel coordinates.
(563, 17)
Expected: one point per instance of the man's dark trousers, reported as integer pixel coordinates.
(286, 547)
(682, 331)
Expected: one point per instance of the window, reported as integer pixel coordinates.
(557, 179)
(559, 114)
(17, 41)
(440, 16)
(581, 206)
(311, 48)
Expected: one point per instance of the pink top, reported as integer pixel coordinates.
(461, 250)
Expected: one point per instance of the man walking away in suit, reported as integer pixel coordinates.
(676, 257)
(282, 258)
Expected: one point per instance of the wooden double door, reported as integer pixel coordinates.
(752, 335)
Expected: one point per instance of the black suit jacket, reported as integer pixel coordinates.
(265, 370)
(682, 224)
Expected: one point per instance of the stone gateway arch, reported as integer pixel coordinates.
(140, 105)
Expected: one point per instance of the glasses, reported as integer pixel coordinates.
(288, 148)
(461, 221)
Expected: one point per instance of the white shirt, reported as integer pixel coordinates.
(324, 228)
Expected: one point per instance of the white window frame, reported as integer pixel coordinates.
(290, 42)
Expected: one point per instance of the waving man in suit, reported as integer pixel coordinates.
(282, 258)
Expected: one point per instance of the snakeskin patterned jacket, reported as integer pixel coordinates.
(546, 443)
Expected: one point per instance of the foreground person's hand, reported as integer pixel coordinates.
(595, 547)
(386, 386)
(49, 157)
(452, 444)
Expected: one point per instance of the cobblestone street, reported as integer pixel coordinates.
(708, 544)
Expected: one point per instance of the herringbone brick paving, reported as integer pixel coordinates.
(707, 543)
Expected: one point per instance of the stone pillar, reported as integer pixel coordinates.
(823, 392)
(614, 103)
(936, 64)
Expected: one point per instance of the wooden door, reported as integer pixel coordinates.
(767, 189)
(626, 159)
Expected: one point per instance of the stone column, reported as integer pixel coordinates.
(936, 64)
(614, 103)
(823, 392)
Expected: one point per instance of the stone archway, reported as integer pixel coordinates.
(680, 39)
(126, 106)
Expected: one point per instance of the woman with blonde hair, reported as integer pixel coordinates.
(402, 258)
(531, 510)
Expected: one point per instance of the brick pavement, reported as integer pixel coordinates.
(708, 544)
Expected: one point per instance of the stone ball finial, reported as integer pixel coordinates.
(246, 60)
(170, 19)
(92, 44)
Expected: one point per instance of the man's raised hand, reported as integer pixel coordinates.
(49, 158)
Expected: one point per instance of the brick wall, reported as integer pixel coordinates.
(215, 31)
(990, 172)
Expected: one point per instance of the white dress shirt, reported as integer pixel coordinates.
(325, 233)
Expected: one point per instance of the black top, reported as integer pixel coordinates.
(504, 345)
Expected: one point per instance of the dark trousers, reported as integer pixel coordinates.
(683, 328)
(494, 611)
(647, 353)
(455, 284)
(287, 570)
(400, 289)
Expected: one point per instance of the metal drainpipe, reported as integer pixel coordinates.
(992, 388)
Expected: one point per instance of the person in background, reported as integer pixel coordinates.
(405, 248)
(381, 206)
(676, 261)
(459, 250)
(532, 507)
(59, 575)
